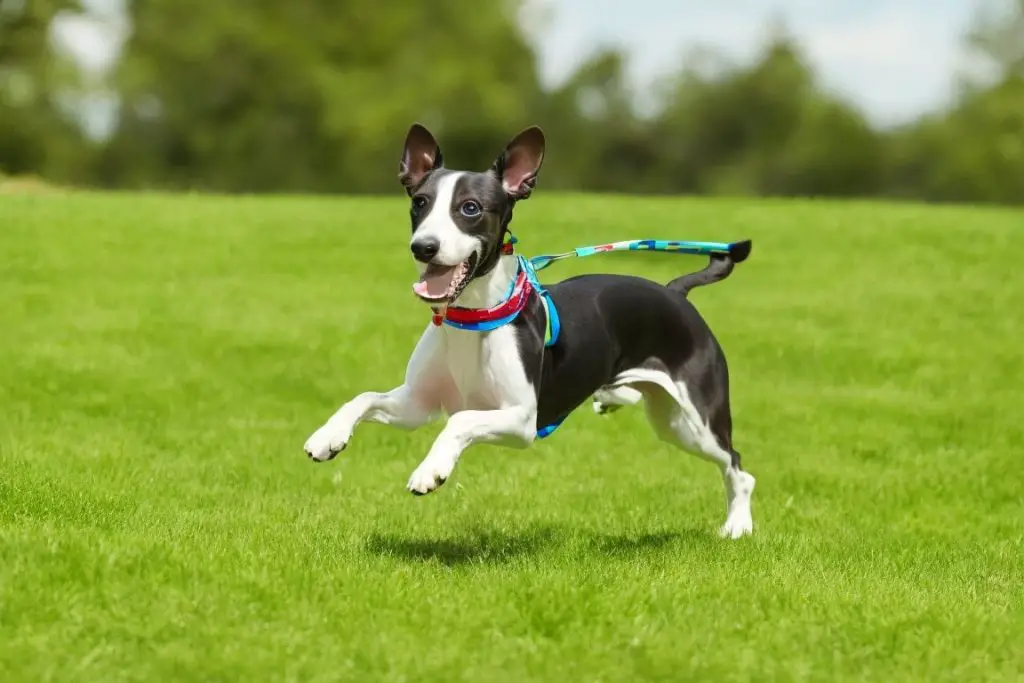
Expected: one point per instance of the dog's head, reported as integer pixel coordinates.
(459, 218)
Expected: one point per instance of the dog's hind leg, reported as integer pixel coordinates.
(676, 420)
(609, 399)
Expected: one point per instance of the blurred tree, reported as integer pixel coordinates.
(316, 96)
(998, 36)
(597, 142)
(832, 153)
(763, 129)
(35, 136)
(975, 151)
(312, 94)
(746, 118)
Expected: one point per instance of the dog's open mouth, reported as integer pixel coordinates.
(443, 284)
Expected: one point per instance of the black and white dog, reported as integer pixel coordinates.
(622, 339)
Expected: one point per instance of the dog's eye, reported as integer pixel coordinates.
(470, 209)
(419, 202)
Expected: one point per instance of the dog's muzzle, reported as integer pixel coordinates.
(443, 284)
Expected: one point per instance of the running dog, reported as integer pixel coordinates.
(508, 359)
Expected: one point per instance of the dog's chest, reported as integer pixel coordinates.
(485, 368)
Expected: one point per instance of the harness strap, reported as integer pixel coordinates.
(553, 325)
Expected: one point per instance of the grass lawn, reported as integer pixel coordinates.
(163, 359)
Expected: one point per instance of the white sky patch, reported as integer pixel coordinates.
(893, 59)
(88, 41)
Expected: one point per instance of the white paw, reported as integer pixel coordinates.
(738, 524)
(602, 408)
(431, 473)
(327, 442)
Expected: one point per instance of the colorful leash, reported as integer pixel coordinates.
(672, 246)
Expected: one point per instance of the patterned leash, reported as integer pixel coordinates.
(672, 246)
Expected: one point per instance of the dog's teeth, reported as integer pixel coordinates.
(457, 277)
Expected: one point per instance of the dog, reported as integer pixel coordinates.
(620, 339)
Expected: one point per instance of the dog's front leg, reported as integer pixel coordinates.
(413, 404)
(515, 427)
(399, 407)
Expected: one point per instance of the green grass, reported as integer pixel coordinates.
(163, 359)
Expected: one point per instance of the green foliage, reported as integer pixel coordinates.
(998, 36)
(276, 97)
(315, 96)
(975, 153)
(768, 130)
(34, 135)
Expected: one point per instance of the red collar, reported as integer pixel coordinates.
(482, 319)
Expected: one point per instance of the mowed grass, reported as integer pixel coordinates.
(163, 359)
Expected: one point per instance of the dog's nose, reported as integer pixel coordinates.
(425, 249)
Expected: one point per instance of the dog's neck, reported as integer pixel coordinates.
(490, 289)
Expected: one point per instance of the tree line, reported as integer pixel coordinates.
(316, 95)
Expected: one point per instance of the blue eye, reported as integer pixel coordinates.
(470, 209)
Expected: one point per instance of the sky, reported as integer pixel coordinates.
(894, 59)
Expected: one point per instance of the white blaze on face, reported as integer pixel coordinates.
(456, 246)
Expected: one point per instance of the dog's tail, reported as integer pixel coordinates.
(717, 269)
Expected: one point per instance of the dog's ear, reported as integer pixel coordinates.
(519, 164)
(420, 156)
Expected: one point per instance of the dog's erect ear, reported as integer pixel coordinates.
(420, 156)
(519, 164)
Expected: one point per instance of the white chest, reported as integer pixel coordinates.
(485, 368)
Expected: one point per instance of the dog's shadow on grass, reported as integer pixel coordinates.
(477, 547)
(496, 547)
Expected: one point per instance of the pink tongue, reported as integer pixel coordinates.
(435, 282)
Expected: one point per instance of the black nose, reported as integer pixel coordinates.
(425, 249)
